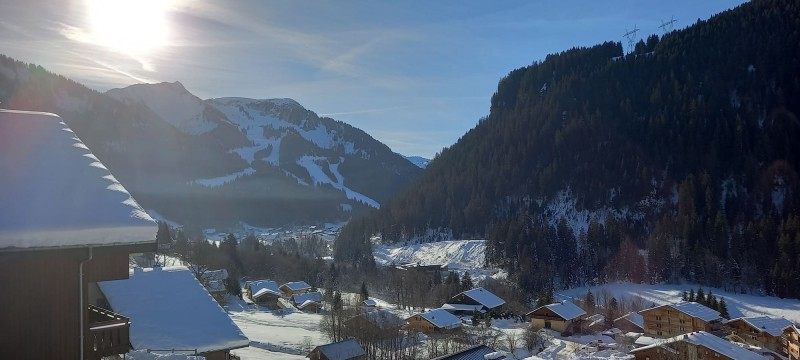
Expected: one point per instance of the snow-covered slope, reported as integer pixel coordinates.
(419, 161)
(456, 254)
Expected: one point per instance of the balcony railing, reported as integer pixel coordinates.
(109, 333)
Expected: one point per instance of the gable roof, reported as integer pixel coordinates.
(634, 317)
(341, 350)
(170, 309)
(369, 302)
(382, 319)
(216, 275)
(772, 326)
(57, 194)
(709, 341)
(693, 309)
(565, 309)
(464, 307)
(478, 352)
(307, 303)
(484, 297)
(315, 296)
(261, 287)
(441, 318)
(296, 286)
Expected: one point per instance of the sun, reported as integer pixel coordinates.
(133, 27)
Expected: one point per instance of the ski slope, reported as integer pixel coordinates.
(456, 254)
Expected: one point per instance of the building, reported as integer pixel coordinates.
(435, 320)
(67, 224)
(374, 323)
(478, 300)
(169, 309)
(369, 304)
(340, 350)
(308, 302)
(564, 317)
(263, 292)
(296, 287)
(761, 331)
(478, 352)
(681, 318)
(695, 345)
(631, 322)
(791, 342)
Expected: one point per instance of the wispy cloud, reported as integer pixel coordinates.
(364, 111)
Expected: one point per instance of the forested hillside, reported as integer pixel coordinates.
(678, 161)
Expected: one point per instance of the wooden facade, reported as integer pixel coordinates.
(269, 300)
(791, 342)
(679, 350)
(666, 321)
(41, 308)
(544, 318)
(740, 331)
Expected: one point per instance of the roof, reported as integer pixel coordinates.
(381, 318)
(57, 194)
(693, 309)
(766, 324)
(485, 297)
(216, 286)
(478, 352)
(296, 286)
(169, 309)
(261, 287)
(441, 318)
(301, 298)
(218, 275)
(341, 350)
(644, 340)
(709, 341)
(306, 303)
(464, 307)
(633, 317)
(565, 309)
(369, 302)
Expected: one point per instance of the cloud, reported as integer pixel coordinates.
(364, 111)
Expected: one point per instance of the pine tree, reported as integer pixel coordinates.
(714, 303)
(723, 308)
(691, 294)
(364, 295)
(589, 302)
(685, 296)
(709, 299)
(701, 297)
(466, 282)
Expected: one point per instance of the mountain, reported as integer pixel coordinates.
(218, 162)
(678, 161)
(419, 161)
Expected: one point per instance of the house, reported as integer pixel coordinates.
(369, 303)
(308, 302)
(263, 292)
(681, 318)
(374, 323)
(217, 290)
(170, 309)
(761, 331)
(435, 320)
(472, 301)
(340, 350)
(791, 342)
(564, 317)
(296, 287)
(66, 225)
(631, 322)
(694, 345)
(475, 352)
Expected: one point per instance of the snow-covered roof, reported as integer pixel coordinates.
(644, 340)
(56, 193)
(218, 275)
(463, 307)
(485, 297)
(441, 318)
(772, 326)
(341, 350)
(312, 296)
(369, 302)
(296, 286)
(381, 318)
(478, 352)
(711, 342)
(635, 318)
(169, 309)
(307, 303)
(216, 286)
(261, 287)
(565, 309)
(693, 309)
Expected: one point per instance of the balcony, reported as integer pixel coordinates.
(108, 333)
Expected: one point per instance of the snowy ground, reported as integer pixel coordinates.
(458, 255)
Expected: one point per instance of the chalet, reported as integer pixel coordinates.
(170, 309)
(66, 225)
(695, 345)
(681, 318)
(374, 323)
(263, 292)
(431, 270)
(340, 350)
(476, 300)
(475, 352)
(308, 302)
(758, 331)
(435, 320)
(296, 287)
(631, 322)
(564, 317)
(791, 342)
(369, 304)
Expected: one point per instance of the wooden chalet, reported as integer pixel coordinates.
(263, 292)
(631, 322)
(474, 353)
(67, 224)
(791, 342)
(761, 331)
(295, 287)
(564, 317)
(308, 302)
(436, 320)
(695, 345)
(374, 323)
(478, 300)
(681, 318)
(341, 350)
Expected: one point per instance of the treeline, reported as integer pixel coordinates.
(683, 154)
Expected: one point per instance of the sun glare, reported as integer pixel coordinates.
(134, 27)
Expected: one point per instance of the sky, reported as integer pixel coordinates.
(415, 75)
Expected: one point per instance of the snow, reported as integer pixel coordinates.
(456, 254)
(463, 307)
(216, 275)
(144, 355)
(418, 161)
(314, 296)
(296, 286)
(659, 294)
(369, 302)
(696, 310)
(318, 176)
(158, 217)
(566, 309)
(342, 350)
(634, 318)
(171, 102)
(383, 319)
(261, 287)
(766, 324)
(710, 341)
(169, 309)
(441, 318)
(56, 193)
(225, 179)
(484, 297)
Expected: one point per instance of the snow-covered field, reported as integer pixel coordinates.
(273, 335)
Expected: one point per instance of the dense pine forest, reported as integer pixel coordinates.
(681, 156)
